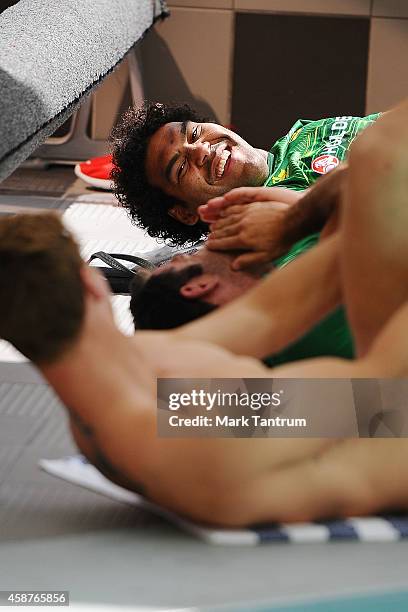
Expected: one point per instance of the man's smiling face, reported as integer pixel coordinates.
(194, 162)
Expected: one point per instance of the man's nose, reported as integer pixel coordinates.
(198, 152)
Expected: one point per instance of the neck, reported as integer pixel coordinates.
(219, 262)
(264, 155)
(102, 368)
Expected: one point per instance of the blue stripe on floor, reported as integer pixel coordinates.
(273, 534)
(340, 530)
(400, 523)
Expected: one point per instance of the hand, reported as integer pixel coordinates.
(216, 208)
(256, 227)
(237, 217)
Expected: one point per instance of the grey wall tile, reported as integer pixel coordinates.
(336, 7)
(388, 66)
(187, 58)
(390, 8)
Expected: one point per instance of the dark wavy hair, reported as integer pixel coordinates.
(158, 304)
(148, 206)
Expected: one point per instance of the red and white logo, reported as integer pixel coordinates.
(325, 163)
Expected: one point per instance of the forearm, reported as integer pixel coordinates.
(278, 310)
(311, 212)
(283, 195)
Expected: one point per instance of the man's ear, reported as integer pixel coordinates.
(199, 286)
(94, 282)
(181, 214)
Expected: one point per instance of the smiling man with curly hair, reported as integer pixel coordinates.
(147, 204)
(168, 161)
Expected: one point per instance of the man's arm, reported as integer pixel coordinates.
(221, 206)
(267, 227)
(278, 310)
(313, 210)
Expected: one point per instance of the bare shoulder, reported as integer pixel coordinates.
(170, 355)
(391, 342)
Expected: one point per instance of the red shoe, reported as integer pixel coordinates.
(96, 172)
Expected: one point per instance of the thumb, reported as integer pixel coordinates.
(246, 195)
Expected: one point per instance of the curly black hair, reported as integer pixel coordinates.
(147, 206)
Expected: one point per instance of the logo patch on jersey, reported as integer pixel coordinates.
(325, 163)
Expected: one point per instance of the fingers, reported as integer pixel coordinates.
(241, 196)
(210, 212)
(246, 195)
(236, 209)
(225, 222)
(224, 244)
(231, 218)
(247, 260)
(214, 208)
(229, 229)
(213, 211)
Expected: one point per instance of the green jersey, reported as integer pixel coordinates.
(331, 336)
(312, 148)
(309, 150)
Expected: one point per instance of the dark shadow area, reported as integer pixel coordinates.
(171, 87)
(5, 4)
(289, 67)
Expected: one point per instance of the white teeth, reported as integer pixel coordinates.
(219, 171)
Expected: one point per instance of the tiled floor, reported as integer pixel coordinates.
(47, 187)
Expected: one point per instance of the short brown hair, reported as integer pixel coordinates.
(42, 299)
